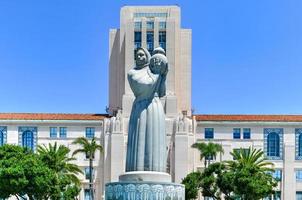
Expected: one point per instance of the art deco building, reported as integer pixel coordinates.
(280, 136)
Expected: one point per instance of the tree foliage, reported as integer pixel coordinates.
(192, 184)
(208, 151)
(88, 147)
(246, 178)
(46, 175)
(57, 159)
(23, 173)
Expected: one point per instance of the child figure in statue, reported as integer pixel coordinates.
(146, 149)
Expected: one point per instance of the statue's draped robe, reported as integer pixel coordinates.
(146, 149)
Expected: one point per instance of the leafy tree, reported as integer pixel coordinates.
(246, 178)
(57, 159)
(192, 182)
(88, 147)
(23, 173)
(251, 171)
(208, 151)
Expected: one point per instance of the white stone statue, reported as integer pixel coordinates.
(146, 149)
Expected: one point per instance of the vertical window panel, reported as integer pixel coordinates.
(90, 132)
(53, 132)
(209, 133)
(63, 132)
(236, 133)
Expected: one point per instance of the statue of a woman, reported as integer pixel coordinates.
(146, 149)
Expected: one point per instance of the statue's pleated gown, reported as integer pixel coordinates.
(146, 149)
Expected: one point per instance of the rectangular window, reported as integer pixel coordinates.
(63, 132)
(90, 132)
(208, 133)
(299, 195)
(246, 133)
(150, 25)
(299, 175)
(276, 196)
(137, 25)
(87, 174)
(150, 41)
(162, 25)
(209, 157)
(3, 135)
(87, 195)
(236, 133)
(137, 39)
(277, 174)
(53, 132)
(162, 39)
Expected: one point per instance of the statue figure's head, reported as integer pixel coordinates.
(142, 58)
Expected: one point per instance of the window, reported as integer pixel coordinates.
(299, 195)
(276, 196)
(137, 39)
(87, 173)
(28, 139)
(236, 133)
(299, 175)
(298, 133)
(53, 132)
(273, 142)
(162, 39)
(63, 132)
(3, 131)
(150, 42)
(162, 25)
(87, 195)
(137, 25)
(246, 133)
(277, 174)
(209, 157)
(90, 132)
(300, 145)
(150, 25)
(273, 145)
(208, 133)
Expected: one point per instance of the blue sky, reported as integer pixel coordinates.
(246, 55)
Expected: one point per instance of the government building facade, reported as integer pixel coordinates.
(279, 136)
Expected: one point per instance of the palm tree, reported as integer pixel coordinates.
(89, 148)
(208, 151)
(250, 157)
(56, 158)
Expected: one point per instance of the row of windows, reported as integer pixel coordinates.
(28, 135)
(209, 133)
(143, 14)
(273, 140)
(149, 40)
(53, 133)
(149, 25)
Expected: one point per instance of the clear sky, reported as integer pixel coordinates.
(246, 55)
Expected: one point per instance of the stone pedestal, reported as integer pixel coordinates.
(144, 185)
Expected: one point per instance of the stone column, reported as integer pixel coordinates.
(288, 179)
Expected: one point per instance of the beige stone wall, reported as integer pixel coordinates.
(178, 50)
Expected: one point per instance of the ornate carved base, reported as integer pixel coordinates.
(144, 191)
